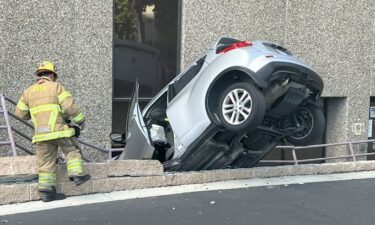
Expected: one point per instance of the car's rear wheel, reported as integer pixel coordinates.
(311, 122)
(241, 107)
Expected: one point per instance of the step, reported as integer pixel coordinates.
(5, 143)
(3, 127)
(15, 193)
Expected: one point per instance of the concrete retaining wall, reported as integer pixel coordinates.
(138, 174)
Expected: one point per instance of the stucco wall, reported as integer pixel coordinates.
(335, 37)
(77, 36)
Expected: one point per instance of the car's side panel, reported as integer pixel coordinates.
(186, 112)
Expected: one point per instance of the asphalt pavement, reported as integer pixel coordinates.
(325, 203)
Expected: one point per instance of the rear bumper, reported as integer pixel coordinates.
(274, 71)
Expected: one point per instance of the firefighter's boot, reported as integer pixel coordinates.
(48, 196)
(79, 179)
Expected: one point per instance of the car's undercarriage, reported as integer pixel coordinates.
(219, 148)
(228, 109)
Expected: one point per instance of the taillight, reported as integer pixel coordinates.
(236, 45)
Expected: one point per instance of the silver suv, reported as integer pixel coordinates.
(228, 109)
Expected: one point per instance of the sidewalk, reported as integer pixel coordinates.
(163, 191)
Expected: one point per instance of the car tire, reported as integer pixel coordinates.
(241, 107)
(313, 118)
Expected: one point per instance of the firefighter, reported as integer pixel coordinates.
(49, 105)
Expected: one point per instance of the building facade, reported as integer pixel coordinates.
(77, 36)
(336, 37)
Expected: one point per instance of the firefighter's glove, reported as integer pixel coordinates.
(77, 131)
(82, 125)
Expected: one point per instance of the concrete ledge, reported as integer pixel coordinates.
(103, 182)
(20, 165)
(15, 193)
(172, 179)
(134, 168)
(28, 165)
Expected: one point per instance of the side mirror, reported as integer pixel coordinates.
(117, 138)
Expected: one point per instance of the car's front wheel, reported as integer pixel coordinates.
(241, 107)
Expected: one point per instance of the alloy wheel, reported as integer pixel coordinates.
(237, 106)
(306, 120)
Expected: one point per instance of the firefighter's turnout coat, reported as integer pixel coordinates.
(48, 104)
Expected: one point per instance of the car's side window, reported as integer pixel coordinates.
(185, 78)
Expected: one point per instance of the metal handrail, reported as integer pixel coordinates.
(8, 125)
(296, 161)
(108, 151)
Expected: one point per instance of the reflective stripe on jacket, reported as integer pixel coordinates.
(47, 104)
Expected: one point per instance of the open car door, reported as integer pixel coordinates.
(138, 141)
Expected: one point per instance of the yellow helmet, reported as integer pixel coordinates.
(46, 66)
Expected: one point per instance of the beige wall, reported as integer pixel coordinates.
(335, 37)
(77, 36)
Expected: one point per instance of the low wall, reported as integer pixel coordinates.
(137, 174)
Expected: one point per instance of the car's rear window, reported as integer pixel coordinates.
(185, 78)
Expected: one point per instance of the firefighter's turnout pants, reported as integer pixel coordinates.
(47, 154)
(48, 105)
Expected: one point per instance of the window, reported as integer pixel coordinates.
(185, 78)
(144, 48)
